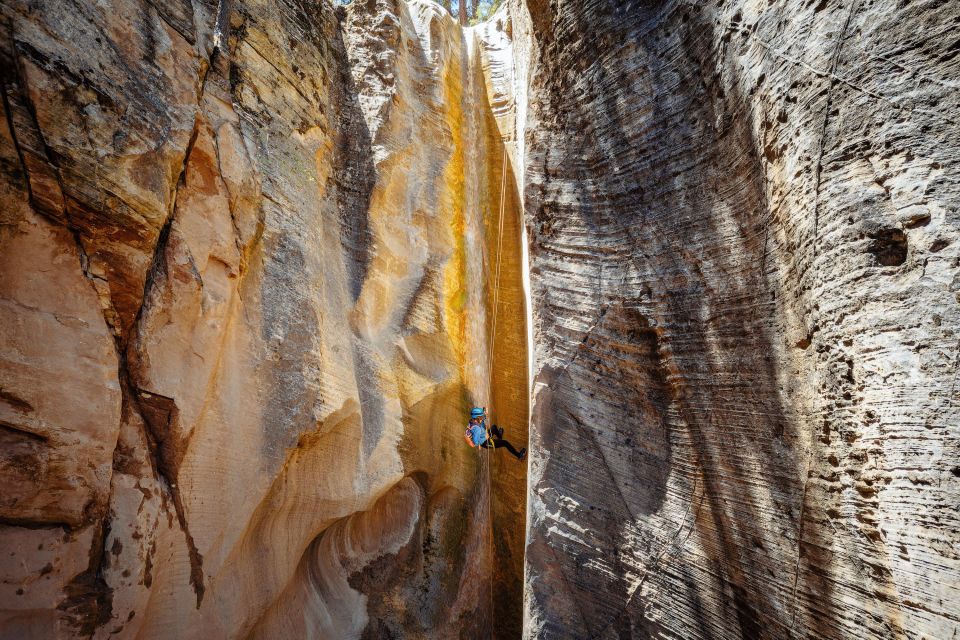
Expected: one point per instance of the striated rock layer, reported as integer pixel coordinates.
(245, 272)
(744, 256)
(258, 257)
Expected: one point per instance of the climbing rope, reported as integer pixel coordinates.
(496, 283)
(496, 279)
(485, 460)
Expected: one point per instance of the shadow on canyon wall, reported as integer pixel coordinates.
(509, 378)
(289, 324)
(673, 384)
(436, 558)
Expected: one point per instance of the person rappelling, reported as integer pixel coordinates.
(477, 434)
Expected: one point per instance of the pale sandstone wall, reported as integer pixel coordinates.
(244, 286)
(744, 250)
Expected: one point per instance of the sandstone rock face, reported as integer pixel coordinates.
(744, 252)
(258, 257)
(246, 256)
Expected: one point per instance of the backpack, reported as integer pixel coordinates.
(468, 434)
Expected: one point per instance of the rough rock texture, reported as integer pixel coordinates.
(744, 257)
(257, 257)
(245, 272)
(509, 367)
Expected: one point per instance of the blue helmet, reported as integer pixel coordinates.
(476, 412)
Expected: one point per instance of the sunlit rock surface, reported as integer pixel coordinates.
(744, 252)
(245, 272)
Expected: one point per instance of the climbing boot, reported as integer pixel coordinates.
(523, 454)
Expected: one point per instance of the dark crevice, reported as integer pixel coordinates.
(57, 212)
(159, 414)
(88, 599)
(30, 142)
(158, 435)
(7, 64)
(27, 523)
(16, 431)
(15, 401)
(221, 29)
(888, 247)
(85, 267)
(165, 471)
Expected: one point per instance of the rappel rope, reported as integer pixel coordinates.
(496, 278)
(496, 285)
(485, 460)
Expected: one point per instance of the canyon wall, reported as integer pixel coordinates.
(244, 284)
(257, 259)
(743, 224)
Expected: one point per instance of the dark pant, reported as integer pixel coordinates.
(498, 441)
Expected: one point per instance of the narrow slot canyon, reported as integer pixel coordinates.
(260, 258)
